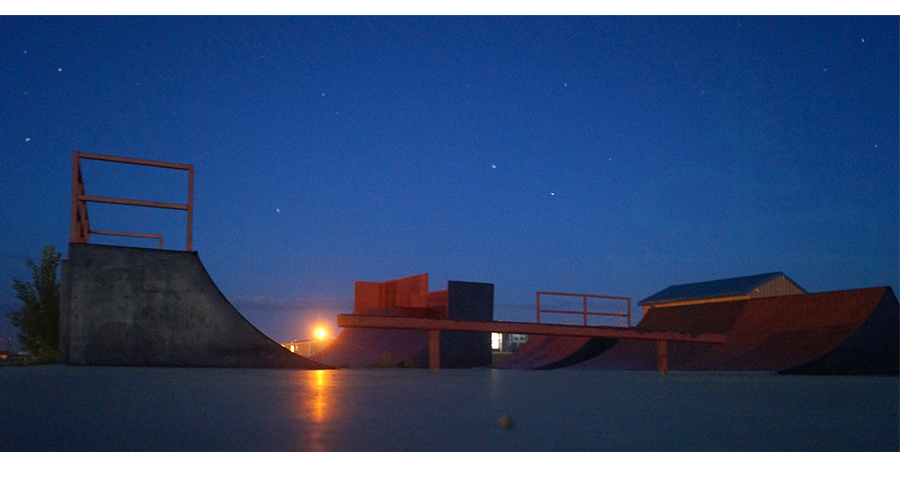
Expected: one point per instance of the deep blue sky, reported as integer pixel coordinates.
(607, 155)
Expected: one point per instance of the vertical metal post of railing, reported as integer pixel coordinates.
(629, 312)
(538, 301)
(77, 232)
(190, 208)
(73, 235)
(585, 310)
(434, 350)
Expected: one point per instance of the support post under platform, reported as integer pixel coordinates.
(662, 356)
(434, 349)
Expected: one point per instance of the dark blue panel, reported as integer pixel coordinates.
(471, 302)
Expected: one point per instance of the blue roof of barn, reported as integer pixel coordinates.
(730, 287)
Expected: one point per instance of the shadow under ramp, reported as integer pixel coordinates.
(543, 352)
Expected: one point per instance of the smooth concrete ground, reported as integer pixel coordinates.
(56, 408)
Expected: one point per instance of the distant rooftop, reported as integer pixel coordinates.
(730, 287)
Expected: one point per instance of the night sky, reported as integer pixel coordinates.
(602, 155)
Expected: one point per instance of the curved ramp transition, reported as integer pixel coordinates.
(543, 352)
(144, 307)
(848, 332)
(371, 347)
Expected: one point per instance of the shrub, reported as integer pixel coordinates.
(38, 319)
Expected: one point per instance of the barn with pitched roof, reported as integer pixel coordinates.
(775, 284)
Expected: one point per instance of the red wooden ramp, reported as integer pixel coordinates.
(543, 352)
(360, 347)
(844, 332)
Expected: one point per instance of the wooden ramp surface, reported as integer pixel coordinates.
(843, 332)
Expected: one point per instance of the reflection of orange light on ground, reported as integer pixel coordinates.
(319, 407)
(315, 400)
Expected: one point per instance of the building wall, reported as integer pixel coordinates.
(700, 301)
(514, 341)
(308, 348)
(507, 342)
(777, 287)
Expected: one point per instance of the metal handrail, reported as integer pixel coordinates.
(584, 312)
(81, 231)
(133, 235)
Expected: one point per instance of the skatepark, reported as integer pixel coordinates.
(126, 306)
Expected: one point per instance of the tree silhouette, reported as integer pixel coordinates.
(38, 319)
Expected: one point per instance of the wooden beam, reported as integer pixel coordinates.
(662, 357)
(434, 349)
(401, 323)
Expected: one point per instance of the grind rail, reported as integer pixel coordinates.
(435, 326)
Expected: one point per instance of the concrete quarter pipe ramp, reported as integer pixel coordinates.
(144, 307)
